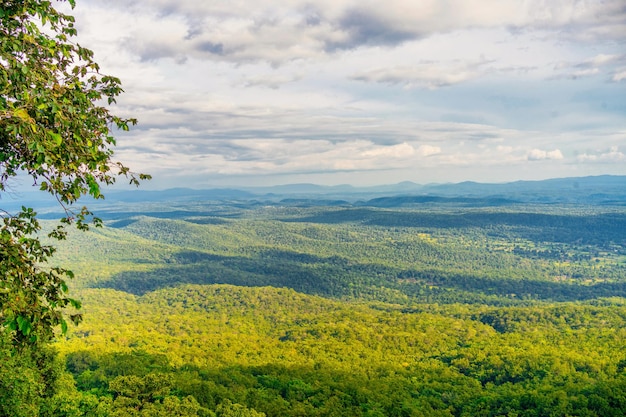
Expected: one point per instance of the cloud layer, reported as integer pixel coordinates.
(365, 91)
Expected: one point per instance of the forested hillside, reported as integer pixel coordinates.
(404, 256)
(448, 300)
(349, 311)
(285, 354)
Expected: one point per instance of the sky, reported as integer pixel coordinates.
(363, 92)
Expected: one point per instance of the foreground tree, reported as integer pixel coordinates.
(55, 128)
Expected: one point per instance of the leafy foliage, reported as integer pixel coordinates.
(283, 353)
(28, 378)
(412, 317)
(54, 128)
(31, 298)
(52, 124)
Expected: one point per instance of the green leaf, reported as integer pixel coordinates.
(12, 325)
(24, 325)
(56, 138)
(22, 114)
(74, 303)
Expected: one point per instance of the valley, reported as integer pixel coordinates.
(297, 307)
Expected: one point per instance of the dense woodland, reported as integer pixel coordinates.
(341, 311)
(394, 306)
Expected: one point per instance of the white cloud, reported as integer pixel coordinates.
(584, 73)
(538, 155)
(619, 76)
(399, 151)
(426, 74)
(591, 66)
(267, 81)
(603, 59)
(428, 150)
(612, 155)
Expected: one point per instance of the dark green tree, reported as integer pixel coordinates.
(54, 127)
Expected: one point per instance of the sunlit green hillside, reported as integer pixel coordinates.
(284, 353)
(334, 311)
(385, 255)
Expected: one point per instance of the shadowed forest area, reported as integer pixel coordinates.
(294, 310)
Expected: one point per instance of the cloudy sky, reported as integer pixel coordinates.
(262, 92)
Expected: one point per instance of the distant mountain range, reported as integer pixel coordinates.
(593, 190)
